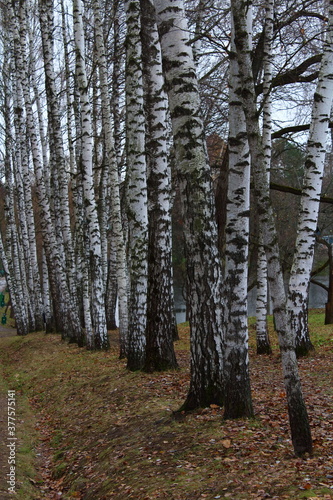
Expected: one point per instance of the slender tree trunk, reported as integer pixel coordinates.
(115, 220)
(59, 171)
(136, 190)
(262, 338)
(298, 291)
(298, 417)
(238, 402)
(46, 297)
(329, 303)
(263, 342)
(160, 354)
(66, 318)
(111, 288)
(117, 56)
(10, 259)
(203, 268)
(100, 338)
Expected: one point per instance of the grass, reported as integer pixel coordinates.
(27, 440)
(100, 432)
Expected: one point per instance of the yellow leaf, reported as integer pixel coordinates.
(226, 443)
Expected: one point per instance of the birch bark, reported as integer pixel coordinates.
(298, 417)
(238, 401)
(59, 173)
(136, 190)
(263, 343)
(67, 320)
(160, 354)
(298, 291)
(115, 220)
(100, 338)
(203, 268)
(10, 258)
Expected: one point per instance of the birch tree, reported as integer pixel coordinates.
(203, 269)
(10, 257)
(137, 204)
(236, 359)
(160, 303)
(298, 417)
(115, 220)
(67, 320)
(299, 282)
(57, 161)
(263, 343)
(100, 338)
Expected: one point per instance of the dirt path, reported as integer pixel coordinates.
(5, 331)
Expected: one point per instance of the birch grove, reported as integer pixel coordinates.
(110, 113)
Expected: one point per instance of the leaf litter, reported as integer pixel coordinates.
(106, 433)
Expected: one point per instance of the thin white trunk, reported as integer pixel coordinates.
(59, 173)
(238, 401)
(299, 282)
(67, 320)
(263, 343)
(46, 297)
(115, 220)
(136, 190)
(204, 279)
(101, 340)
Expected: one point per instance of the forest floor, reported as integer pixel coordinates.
(87, 428)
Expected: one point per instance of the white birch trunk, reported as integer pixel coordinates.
(116, 84)
(66, 317)
(115, 220)
(21, 319)
(136, 190)
(160, 353)
(46, 297)
(238, 401)
(111, 288)
(262, 338)
(299, 282)
(263, 343)
(20, 163)
(59, 172)
(15, 277)
(298, 417)
(204, 280)
(101, 340)
(12, 156)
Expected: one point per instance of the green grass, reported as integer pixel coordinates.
(112, 434)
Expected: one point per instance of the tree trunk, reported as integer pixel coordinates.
(66, 318)
(100, 337)
(263, 343)
(160, 354)
(298, 418)
(298, 291)
(262, 338)
(329, 303)
(117, 234)
(136, 190)
(57, 162)
(203, 268)
(238, 402)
